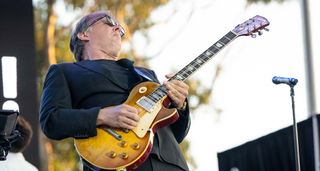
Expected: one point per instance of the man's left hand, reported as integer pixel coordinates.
(177, 91)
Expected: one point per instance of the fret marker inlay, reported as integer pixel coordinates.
(208, 53)
(219, 45)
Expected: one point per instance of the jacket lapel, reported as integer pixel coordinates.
(97, 68)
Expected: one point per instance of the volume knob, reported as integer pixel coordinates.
(124, 155)
(123, 144)
(135, 146)
(112, 154)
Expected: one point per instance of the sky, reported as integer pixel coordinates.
(251, 105)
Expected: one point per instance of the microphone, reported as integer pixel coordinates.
(289, 81)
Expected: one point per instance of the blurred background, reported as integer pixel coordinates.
(232, 97)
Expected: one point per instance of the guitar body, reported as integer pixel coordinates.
(106, 152)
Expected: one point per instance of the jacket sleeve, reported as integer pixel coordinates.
(181, 127)
(58, 119)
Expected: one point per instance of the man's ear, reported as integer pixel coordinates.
(83, 36)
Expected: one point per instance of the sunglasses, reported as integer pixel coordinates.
(110, 22)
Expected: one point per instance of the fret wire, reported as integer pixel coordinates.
(156, 96)
(214, 49)
(152, 98)
(157, 93)
(187, 68)
(195, 64)
(182, 71)
(160, 93)
(205, 58)
(185, 74)
(231, 35)
(175, 77)
(219, 43)
(226, 37)
(208, 53)
(191, 67)
(180, 76)
(162, 89)
(224, 40)
(199, 59)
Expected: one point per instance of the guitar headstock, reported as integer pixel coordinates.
(252, 26)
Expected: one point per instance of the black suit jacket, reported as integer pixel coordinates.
(73, 94)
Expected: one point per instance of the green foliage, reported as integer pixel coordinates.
(65, 156)
(63, 52)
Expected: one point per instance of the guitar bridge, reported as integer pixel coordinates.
(146, 103)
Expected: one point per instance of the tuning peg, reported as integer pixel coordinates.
(253, 35)
(266, 29)
(259, 33)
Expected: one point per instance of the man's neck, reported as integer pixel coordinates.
(97, 54)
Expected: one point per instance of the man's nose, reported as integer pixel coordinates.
(116, 27)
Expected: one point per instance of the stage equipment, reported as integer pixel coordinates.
(8, 134)
(292, 82)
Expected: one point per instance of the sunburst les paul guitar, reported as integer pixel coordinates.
(120, 149)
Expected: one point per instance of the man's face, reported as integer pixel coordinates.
(105, 35)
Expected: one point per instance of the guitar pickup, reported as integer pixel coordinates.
(146, 103)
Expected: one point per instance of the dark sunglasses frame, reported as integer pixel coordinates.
(110, 22)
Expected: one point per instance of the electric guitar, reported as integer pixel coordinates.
(121, 149)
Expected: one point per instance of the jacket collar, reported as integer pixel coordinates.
(94, 66)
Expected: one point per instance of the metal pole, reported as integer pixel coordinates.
(310, 82)
(295, 132)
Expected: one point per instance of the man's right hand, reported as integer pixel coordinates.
(121, 116)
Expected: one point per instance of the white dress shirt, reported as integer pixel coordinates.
(16, 162)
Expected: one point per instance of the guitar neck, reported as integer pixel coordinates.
(203, 58)
(194, 65)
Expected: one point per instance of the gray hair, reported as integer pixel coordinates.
(77, 45)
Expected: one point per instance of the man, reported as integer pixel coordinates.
(78, 97)
(15, 160)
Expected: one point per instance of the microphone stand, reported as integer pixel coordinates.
(295, 131)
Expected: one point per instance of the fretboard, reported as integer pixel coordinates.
(204, 57)
(194, 65)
